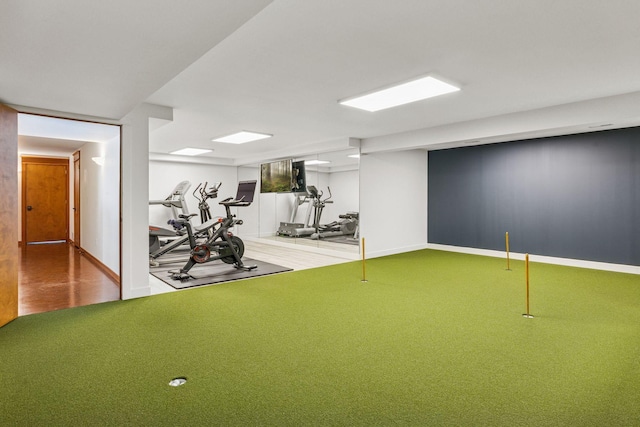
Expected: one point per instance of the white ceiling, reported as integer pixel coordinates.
(526, 68)
(51, 127)
(44, 135)
(103, 58)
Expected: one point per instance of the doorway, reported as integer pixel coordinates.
(58, 269)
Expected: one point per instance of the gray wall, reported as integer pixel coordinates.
(574, 196)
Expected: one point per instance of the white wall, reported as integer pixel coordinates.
(100, 202)
(393, 201)
(268, 219)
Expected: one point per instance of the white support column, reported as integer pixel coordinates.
(135, 198)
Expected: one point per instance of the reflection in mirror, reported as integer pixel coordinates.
(323, 211)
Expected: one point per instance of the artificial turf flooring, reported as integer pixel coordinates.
(433, 338)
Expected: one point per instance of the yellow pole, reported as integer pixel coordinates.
(526, 269)
(506, 239)
(364, 270)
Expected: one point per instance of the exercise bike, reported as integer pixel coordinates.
(222, 244)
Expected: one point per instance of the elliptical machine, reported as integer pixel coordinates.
(222, 244)
(157, 250)
(203, 205)
(346, 226)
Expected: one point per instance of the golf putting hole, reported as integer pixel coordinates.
(176, 382)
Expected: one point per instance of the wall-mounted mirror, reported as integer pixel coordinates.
(319, 206)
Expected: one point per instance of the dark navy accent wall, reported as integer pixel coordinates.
(573, 196)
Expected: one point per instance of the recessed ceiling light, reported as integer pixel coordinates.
(191, 151)
(242, 137)
(354, 156)
(315, 162)
(405, 93)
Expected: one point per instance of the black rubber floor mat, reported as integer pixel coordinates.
(215, 273)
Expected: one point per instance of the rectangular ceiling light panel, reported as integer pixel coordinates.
(242, 137)
(416, 90)
(315, 162)
(190, 151)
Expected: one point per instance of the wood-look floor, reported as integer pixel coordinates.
(299, 254)
(55, 276)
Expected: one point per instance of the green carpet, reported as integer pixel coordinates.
(433, 338)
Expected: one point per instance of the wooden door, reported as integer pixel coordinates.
(8, 214)
(45, 209)
(76, 199)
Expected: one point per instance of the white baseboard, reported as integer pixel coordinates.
(144, 291)
(619, 268)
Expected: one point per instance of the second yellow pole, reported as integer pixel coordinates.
(364, 268)
(526, 272)
(506, 241)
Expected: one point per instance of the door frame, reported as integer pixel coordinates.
(8, 214)
(76, 199)
(86, 119)
(25, 160)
